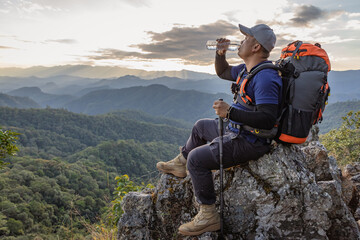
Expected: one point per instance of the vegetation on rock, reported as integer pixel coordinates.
(344, 143)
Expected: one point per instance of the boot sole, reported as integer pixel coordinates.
(175, 173)
(212, 228)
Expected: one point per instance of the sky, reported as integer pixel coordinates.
(164, 35)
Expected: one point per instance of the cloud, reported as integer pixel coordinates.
(6, 47)
(353, 24)
(55, 5)
(62, 41)
(185, 43)
(138, 3)
(15, 38)
(283, 39)
(305, 15)
(353, 14)
(111, 53)
(231, 15)
(25, 6)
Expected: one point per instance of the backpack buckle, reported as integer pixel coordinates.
(235, 88)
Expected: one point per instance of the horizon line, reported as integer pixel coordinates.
(127, 68)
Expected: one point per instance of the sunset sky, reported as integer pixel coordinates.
(164, 34)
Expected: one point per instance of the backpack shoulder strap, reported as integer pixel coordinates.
(244, 97)
(241, 73)
(261, 67)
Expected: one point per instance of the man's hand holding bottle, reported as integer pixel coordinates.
(224, 43)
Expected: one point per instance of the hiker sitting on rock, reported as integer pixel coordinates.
(201, 152)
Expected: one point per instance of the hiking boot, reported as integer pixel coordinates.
(176, 166)
(207, 220)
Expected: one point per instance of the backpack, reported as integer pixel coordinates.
(303, 68)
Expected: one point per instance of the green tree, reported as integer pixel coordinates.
(15, 226)
(123, 187)
(344, 143)
(8, 208)
(4, 230)
(7, 145)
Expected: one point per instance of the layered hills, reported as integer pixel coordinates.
(157, 100)
(17, 102)
(345, 85)
(63, 177)
(86, 71)
(188, 98)
(58, 132)
(44, 99)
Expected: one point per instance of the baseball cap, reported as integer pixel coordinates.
(262, 33)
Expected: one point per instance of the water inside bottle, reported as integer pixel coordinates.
(231, 46)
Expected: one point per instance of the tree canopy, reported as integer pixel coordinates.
(8, 147)
(344, 143)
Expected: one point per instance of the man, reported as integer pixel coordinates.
(201, 152)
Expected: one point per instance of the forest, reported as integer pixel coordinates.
(71, 170)
(62, 179)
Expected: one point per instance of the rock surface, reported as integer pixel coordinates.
(294, 192)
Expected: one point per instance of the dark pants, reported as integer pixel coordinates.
(202, 154)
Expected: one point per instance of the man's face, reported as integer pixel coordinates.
(245, 48)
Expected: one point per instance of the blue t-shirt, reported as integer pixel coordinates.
(264, 88)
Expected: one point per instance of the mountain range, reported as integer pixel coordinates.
(87, 71)
(65, 80)
(155, 99)
(17, 102)
(44, 99)
(180, 98)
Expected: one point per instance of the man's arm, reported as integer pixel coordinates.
(263, 118)
(222, 67)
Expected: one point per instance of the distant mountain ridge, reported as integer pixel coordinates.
(215, 85)
(87, 71)
(44, 99)
(185, 99)
(345, 85)
(56, 84)
(155, 99)
(17, 102)
(334, 112)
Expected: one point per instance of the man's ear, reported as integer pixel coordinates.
(256, 47)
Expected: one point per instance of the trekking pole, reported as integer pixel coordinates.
(221, 123)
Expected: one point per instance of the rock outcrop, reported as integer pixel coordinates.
(294, 192)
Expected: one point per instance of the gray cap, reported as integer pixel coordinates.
(262, 33)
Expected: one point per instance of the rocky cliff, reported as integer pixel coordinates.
(294, 192)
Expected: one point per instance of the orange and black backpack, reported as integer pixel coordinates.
(304, 68)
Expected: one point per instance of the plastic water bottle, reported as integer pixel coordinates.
(231, 46)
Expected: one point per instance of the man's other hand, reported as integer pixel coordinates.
(221, 108)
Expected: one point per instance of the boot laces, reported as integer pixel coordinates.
(198, 218)
(177, 160)
(201, 217)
